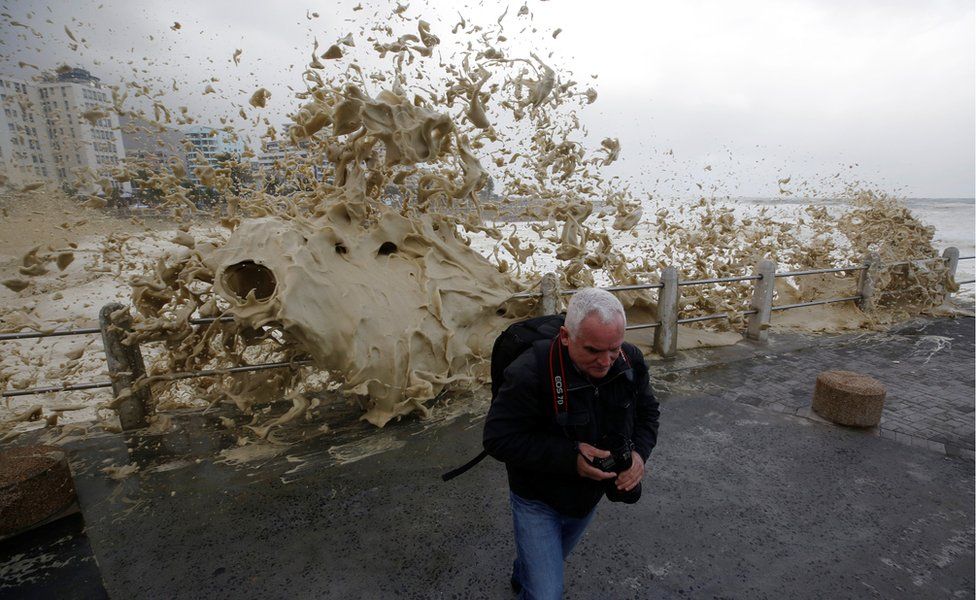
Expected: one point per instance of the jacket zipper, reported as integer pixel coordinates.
(596, 387)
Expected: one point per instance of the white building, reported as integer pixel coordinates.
(281, 158)
(150, 144)
(150, 149)
(25, 154)
(277, 158)
(62, 129)
(82, 125)
(205, 145)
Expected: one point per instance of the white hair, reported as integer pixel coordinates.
(589, 301)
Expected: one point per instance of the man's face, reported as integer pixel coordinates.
(596, 345)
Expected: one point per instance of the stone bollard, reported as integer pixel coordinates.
(849, 398)
(125, 366)
(35, 486)
(666, 334)
(867, 281)
(550, 294)
(951, 256)
(762, 301)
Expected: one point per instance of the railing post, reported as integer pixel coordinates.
(951, 256)
(125, 366)
(666, 334)
(867, 281)
(550, 294)
(762, 301)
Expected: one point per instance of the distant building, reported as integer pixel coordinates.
(149, 143)
(82, 125)
(279, 156)
(150, 149)
(59, 128)
(204, 145)
(25, 152)
(274, 155)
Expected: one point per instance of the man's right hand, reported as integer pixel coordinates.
(585, 469)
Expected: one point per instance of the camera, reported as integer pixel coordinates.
(621, 458)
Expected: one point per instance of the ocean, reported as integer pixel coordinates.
(954, 220)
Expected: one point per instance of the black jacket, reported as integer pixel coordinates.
(521, 429)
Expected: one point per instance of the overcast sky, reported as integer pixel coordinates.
(879, 91)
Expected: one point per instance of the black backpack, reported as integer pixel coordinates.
(509, 345)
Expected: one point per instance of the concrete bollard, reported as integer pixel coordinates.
(666, 334)
(550, 294)
(125, 366)
(762, 301)
(951, 256)
(867, 281)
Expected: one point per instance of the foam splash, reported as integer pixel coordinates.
(395, 309)
(377, 249)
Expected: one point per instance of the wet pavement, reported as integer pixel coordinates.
(926, 366)
(748, 496)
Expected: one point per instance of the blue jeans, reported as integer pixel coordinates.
(543, 540)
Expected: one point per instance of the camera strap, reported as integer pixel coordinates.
(559, 383)
(559, 387)
(560, 393)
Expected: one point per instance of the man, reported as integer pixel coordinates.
(559, 399)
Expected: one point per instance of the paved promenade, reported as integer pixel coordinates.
(926, 366)
(748, 496)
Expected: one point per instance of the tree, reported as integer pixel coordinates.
(241, 178)
(487, 193)
(144, 190)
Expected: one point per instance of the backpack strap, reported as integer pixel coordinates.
(465, 467)
(560, 400)
(555, 362)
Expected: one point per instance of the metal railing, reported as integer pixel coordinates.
(105, 384)
(822, 271)
(718, 280)
(89, 330)
(815, 303)
(952, 266)
(761, 309)
(126, 365)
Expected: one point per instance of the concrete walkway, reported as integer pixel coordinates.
(927, 367)
(747, 497)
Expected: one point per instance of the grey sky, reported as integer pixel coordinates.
(881, 92)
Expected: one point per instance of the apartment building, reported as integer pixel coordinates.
(61, 129)
(276, 155)
(25, 155)
(82, 125)
(150, 148)
(149, 144)
(205, 144)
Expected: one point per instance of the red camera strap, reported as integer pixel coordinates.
(560, 395)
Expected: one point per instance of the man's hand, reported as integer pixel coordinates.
(629, 479)
(585, 469)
